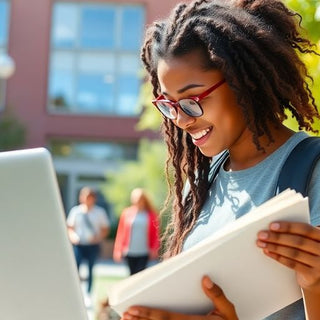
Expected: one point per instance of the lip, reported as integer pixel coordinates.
(202, 140)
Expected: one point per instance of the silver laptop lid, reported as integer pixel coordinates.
(38, 275)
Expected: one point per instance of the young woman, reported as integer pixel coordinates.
(225, 74)
(137, 239)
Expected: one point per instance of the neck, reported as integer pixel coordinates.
(244, 154)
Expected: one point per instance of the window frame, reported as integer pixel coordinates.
(76, 51)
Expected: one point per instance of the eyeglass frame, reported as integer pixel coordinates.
(197, 99)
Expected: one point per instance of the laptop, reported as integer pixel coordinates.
(38, 275)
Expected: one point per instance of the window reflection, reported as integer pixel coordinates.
(95, 151)
(65, 18)
(95, 61)
(98, 27)
(4, 24)
(133, 20)
(62, 88)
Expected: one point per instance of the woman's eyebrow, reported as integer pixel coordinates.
(187, 87)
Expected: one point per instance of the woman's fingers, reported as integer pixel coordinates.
(144, 313)
(295, 235)
(222, 306)
(297, 246)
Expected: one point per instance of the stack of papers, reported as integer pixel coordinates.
(257, 285)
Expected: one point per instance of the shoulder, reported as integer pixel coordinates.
(128, 211)
(75, 210)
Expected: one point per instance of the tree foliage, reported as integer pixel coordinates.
(147, 172)
(310, 12)
(12, 132)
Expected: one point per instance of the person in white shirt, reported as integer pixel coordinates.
(88, 225)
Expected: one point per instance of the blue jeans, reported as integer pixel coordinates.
(90, 253)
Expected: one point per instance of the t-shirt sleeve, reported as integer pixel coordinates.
(103, 217)
(314, 196)
(71, 218)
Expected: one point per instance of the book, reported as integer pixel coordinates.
(257, 285)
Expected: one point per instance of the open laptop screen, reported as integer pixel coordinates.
(38, 275)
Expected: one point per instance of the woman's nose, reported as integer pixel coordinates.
(183, 120)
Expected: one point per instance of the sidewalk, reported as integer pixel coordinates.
(110, 268)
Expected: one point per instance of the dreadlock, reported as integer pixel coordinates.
(256, 45)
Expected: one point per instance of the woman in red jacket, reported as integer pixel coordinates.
(137, 238)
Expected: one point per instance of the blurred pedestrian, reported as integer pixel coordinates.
(88, 225)
(137, 239)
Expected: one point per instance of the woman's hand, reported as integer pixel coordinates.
(223, 308)
(297, 246)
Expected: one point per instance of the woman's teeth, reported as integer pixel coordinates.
(200, 134)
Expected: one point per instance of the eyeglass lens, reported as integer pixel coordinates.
(189, 106)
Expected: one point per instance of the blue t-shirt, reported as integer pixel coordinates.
(234, 193)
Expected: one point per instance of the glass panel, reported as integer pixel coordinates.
(94, 150)
(61, 83)
(132, 28)
(95, 83)
(65, 20)
(128, 95)
(4, 12)
(98, 27)
(128, 85)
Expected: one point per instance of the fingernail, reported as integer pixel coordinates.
(208, 283)
(263, 235)
(261, 244)
(134, 312)
(275, 226)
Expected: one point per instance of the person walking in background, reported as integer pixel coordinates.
(137, 238)
(88, 225)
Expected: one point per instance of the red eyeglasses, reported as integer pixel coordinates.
(191, 106)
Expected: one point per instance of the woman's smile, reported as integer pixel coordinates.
(200, 137)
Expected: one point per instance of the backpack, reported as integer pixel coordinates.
(297, 169)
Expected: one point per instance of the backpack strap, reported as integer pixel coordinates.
(215, 166)
(297, 170)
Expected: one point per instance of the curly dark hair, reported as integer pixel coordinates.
(257, 45)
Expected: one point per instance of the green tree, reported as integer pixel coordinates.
(12, 132)
(147, 172)
(150, 117)
(310, 12)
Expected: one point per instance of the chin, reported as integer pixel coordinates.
(210, 152)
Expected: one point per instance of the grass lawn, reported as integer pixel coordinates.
(102, 284)
(100, 289)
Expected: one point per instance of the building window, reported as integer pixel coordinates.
(95, 64)
(4, 26)
(93, 151)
